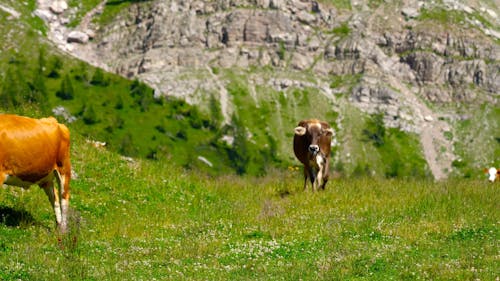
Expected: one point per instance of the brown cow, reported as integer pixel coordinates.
(311, 145)
(35, 151)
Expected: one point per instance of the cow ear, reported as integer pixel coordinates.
(300, 131)
(329, 132)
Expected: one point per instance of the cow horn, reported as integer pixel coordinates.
(300, 131)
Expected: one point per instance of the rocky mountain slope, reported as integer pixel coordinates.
(425, 65)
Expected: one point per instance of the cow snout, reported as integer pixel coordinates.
(314, 149)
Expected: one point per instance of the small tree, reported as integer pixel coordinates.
(38, 93)
(127, 147)
(119, 102)
(81, 73)
(215, 111)
(14, 89)
(98, 78)
(55, 66)
(66, 91)
(375, 130)
(238, 154)
(143, 96)
(89, 116)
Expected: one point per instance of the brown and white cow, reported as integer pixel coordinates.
(311, 145)
(35, 151)
(493, 174)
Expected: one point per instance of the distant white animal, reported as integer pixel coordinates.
(493, 174)
(96, 144)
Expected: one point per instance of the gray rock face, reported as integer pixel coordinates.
(166, 35)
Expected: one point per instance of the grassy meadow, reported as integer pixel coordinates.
(148, 220)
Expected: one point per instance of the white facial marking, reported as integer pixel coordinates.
(315, 125)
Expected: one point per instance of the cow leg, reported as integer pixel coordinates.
(322, 168)
(63, 183)
(326, 173)
(325, 180)
(305, 178)
(53, 196)
(312, 176)
(307, 175)
(319, 179)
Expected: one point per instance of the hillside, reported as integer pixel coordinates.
(150, 220)
(420, 76)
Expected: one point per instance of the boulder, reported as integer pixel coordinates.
(58, 7)
(45, 15)
(77, 37)
(410, 12)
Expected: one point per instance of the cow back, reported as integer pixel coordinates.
(31, 147)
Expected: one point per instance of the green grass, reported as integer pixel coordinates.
(148, 220)
(478, 129)
(342, 4)
(342, 30)
(443, 16)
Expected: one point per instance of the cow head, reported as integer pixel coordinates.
(314, 132)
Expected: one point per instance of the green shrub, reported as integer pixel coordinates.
(13, 88)
(142, 94)
(127, 146)
(375, 130)
(98, 78)
(238, 153)
(54, 67)
(343, 30)
(281, 50)
(66, 92)
(89, 115)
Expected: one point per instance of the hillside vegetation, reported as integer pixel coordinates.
(149, 220)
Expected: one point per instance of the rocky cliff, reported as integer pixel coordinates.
(415, 62)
